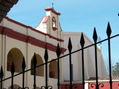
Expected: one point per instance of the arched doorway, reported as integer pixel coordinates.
(39, 70)
(15, 56)
(53, 69)
(15, 86)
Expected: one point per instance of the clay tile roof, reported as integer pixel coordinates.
(5, 6)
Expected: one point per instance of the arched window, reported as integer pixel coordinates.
(15, 56)
(53, 69)
(39, 70)
(53, 22)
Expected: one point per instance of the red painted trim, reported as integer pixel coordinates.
(37, 30)
(50, 9)
(27, 39)
(46, 19)
(106, 85)
(40, 22)
(34, 29)
(16, 22)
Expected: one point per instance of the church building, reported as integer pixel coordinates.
(18, 40)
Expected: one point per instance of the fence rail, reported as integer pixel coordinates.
(58, 53)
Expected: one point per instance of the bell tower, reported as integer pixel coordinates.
(50, 23)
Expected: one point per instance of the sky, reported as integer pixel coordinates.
(76, 16)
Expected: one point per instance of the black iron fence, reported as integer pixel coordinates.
(58, 53)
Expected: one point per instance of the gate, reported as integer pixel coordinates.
(95, 85)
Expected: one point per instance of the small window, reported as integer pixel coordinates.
(53, 22)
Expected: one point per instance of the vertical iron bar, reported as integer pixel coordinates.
(58, 52)
(46, 70)
(35, 62)
(1, 82)
(12, 73)
(34, 77)
(83, 68)
(12, 82)
(70, 66)
(96, 65)
(58, 66)
(109, 53)
(23, 80)
(82, 42)
(1, 75)
(110, 75)
(70, 62)
(23, 69)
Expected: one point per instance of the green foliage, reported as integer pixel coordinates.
(115, 69)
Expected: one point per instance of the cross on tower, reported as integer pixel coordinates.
(52, 5)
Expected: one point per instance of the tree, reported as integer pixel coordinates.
(115, 70)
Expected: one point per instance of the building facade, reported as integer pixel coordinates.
(18, 40)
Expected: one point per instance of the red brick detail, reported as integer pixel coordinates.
(16, 22)
(27, 39)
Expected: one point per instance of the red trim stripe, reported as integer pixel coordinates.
(34, 29)
(28, 39)
(45, 19)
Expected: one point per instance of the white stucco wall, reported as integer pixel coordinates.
(27, 49)
(89, 59)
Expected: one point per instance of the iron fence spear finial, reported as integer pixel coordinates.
(70, 62)
(82, 42)
(70, 45)
(95, 35)
(58, 51)
(109, 31)
(96, 64)
(23, 64)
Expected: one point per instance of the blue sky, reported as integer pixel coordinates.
(76, 16)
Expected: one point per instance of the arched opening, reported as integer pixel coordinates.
(39, 70)
(15, 86)
(53, 69)
(53, 22)
(15, 56)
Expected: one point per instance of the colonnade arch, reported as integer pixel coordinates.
(39, 70)
(53, 69)
(15, 56)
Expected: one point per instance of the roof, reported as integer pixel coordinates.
(51, 9)
(11, 20)
(45, 19)
(5, 6)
